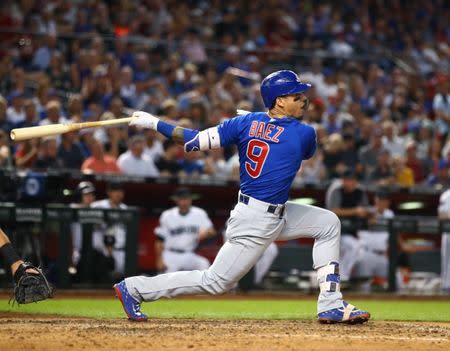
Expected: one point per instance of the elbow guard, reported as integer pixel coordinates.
(204, 140)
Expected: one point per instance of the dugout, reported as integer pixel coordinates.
(43, 235)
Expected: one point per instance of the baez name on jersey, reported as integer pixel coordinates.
(260, 130)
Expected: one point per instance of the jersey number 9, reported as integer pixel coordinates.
(257, 151)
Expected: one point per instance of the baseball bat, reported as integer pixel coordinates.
(19, 134)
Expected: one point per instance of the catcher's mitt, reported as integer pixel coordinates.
(30, 287)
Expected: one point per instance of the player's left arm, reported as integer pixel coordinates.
(193, 140)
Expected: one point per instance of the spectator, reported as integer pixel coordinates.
(42, 55)
(53, 114)
(441, 180)
(382, 174)
(349, 155)
(58, 72)
(5, 152)
(404, 176)
(193, 165)
(15, 113)
(135, 161)
(391, 141)
(368, 154)
(167, 163)
(153, 146)
(27, 153)
(5, 124)
(215, 160)
(113, 138)
(31, 117)
(313, 170)
(180, 230)
(424, 140)
(75, 108)
(99, 162)
(413, 162)
(441, 105)
(48, 155)
(332, 155)
(69, 151)
(127, 86)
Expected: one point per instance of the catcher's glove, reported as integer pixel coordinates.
(30, 286)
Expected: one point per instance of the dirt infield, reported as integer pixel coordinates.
(28, 332)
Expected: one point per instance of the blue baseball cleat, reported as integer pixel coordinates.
(348, 314)
(131, 307)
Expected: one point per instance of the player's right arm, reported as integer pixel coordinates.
(193, 140)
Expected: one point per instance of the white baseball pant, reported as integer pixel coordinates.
(250, 231)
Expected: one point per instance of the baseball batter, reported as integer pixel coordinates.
(180, 230)
(271, 146)
(444, 213)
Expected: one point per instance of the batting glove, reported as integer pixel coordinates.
(143, 119)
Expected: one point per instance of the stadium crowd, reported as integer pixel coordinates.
(380, 102)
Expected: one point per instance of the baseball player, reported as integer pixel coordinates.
(180, 230)
(272, 146)
(444, 213)
(85, 191)
(109, 240)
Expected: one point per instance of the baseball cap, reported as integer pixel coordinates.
(114, 185)
(183, 193)
(86, 188)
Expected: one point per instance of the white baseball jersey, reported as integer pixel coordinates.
(180, 232)
(119, 232)
(444, 209)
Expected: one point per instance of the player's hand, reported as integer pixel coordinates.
(143, 119)
(361, 211)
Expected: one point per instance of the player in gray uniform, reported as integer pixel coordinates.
(271, 147)
(444, 213)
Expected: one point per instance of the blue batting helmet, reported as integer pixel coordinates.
(281, 83)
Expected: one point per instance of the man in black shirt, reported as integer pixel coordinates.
(69, 152)
(167, 163)
(349, 202)
(48, 158)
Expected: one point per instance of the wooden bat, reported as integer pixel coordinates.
(19, 134)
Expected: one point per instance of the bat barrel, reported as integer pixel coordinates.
(19, 134)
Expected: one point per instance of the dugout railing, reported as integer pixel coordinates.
(46, 231)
